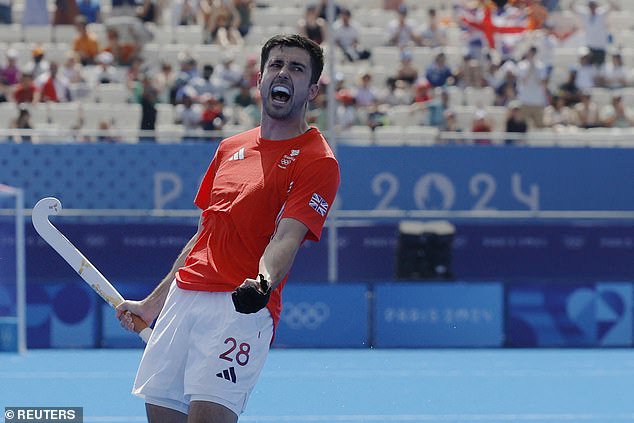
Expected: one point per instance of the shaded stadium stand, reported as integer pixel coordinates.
(406, 125)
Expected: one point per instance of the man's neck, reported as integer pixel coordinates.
(272, 129)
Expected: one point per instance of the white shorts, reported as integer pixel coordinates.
(201, 349)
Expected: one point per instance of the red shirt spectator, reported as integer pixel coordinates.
(25, 91)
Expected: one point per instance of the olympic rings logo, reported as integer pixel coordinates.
(305, 315)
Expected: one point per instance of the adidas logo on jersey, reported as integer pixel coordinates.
(238, 155)
(228, 374)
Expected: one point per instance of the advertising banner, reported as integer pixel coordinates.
(570, 315)
(147, 176)
(413, 315)
(324, 315)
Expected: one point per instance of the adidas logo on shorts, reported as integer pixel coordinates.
(228, 374)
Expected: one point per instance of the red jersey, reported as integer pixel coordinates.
(251, 184)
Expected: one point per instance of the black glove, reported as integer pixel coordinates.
(249, 299)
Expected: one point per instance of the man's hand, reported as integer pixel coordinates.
(142, 309)
(252, 296)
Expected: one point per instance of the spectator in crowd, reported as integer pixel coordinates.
(559, 116)
(422, 91)
(433, 35)
(450, 124)
(90, 10)
(35, 13)
(164, 79)
(312, 26)
(244, 8)
(72, 71)
(66, 12)
(569, 89)
(506, 91)
(515, 122)
(406, 71)
(147, 11)
(188, 71)
(105, 72)
(531, 88)
(364, 93)
(376, 115)
(189, 115)
(148, 98)
(396, 93)
(252, 113)
(6, 10)
(315, 115)
(470, 72)
(616, 115)
(402, 30)
(436, 108)
(105, 133)
(222, 28)
(229, 74)
(587, 112)
(206, 83)
(38, 64)
(346, 112)
(546, 42)
(614, 74)
(122, 52)
(438, 73)
(481, 123)
(251, 71)
(22, 121)
(212, 117)
(135, 70)
(346, 37)
(184, 12)
(123, 7)
(25, 91)
(9, 74)
(587, 73)
(52, 86)
(322, 10)
(595, 23)
(85, 43)
(244, 98)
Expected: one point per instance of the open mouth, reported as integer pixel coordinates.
(280, 94)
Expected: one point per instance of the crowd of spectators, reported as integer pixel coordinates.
(518, 72)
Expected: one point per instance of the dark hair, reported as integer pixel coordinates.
(294, 40)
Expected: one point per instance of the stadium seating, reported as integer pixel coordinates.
(270, 17)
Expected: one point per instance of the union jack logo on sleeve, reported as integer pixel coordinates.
(318, 204)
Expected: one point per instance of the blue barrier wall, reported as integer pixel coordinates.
(436, 178)
(384, 315)
(572, 315)
(323, 315)
(438, 315)
(144, 252)
(8, 311)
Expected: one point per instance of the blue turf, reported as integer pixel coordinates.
(357, 385)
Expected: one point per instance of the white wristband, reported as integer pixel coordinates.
(145, 334)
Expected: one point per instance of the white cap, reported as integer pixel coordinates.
(105, 57)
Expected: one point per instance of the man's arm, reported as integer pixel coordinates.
(279, 255)
(275, 263)
(150, 307)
